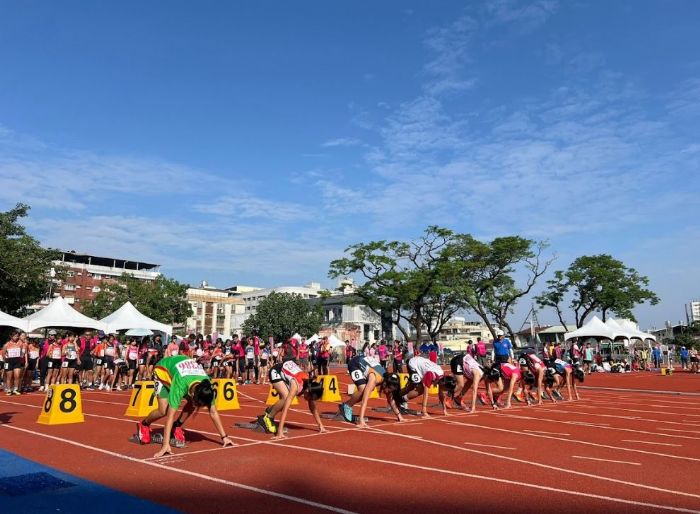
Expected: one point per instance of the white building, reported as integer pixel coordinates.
(251, 298)
(214, 310)
(693, 310)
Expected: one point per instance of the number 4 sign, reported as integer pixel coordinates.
(62, 405)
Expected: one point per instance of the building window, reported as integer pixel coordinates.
(97, 276)
(69, 287)
(96, 289)
(77, 287)
(70, 274)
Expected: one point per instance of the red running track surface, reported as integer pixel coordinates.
(612, 451)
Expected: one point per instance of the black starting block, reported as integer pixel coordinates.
(254, 427)
(406, 412)
(339, 417)
(158, 439)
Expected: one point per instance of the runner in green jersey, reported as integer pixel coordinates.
(180, 378)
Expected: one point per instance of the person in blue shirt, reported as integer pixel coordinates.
(656, 356)
(684, 357)
(502, 350)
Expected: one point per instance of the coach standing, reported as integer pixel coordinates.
(502, 350)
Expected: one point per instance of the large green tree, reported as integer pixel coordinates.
(281, 315)
(163, 299)
(495, 275)
(24, 264)
(414, 280)
(597, 283)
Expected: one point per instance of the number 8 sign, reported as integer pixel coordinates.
(62, 405)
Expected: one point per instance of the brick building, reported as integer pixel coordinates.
(87, 274)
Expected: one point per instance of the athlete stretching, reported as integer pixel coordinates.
(177, 378)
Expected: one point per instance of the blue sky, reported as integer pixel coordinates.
(250, 144)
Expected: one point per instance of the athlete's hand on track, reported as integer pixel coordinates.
(322, 430)
(166, 449)
(227, 441)
(425, 414)
(279, 436)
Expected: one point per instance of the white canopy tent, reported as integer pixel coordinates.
(313, 339)
(335, 342)
(594, 328)
(127, 317)
(59, 313)
(297, 337)
(6, 320)
(633, 331)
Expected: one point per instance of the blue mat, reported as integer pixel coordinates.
(29, 487)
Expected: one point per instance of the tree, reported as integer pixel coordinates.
(162, 299)
(597, 283)
(280, 315)
(24, 264)
(487, 271)
(410, 280)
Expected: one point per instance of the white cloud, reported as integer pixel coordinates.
(342, 141)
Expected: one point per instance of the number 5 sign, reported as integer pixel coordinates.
(226, 394)
(62, 405)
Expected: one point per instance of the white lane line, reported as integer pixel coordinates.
(548, 433)
(579, 441)
(679, 430)
(491, 446)
(606, 460)
(650, 442)
(492, 479)
(541, 465)
(266, 492)
(620, 429)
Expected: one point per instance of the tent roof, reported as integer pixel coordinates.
(127, 317)
(59, 313)
(6, 320)
(631, 330)
(335, 342)
(594, 328)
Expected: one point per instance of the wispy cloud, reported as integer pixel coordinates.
(342, 141)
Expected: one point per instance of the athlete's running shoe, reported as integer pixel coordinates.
(483, 399)
(519, 397)
(347, 412)
(143, 433)
(179, 435)
(268, 425)
(557, 395)
(448, 403)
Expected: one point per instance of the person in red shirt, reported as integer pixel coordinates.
(324, 354)
(398, 357)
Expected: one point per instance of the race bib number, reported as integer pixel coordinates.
(415, 378)
(372, 361)
(174, 352)
(133, 355)
(64, 364)
(33, 354)
(459, 368)
(56, 354)
(72, 355)
(13, 352)
(109, 352)
(357, 375)
(274, 375)
(190, 368)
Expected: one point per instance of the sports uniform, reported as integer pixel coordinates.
(54, 355)
(14, 356)
(174, 377)
(71, 355)
(361, 367)
(286, 372)
(424, 371)
(510, 372)
(465, 366)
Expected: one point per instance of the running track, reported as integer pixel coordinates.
(611, 452)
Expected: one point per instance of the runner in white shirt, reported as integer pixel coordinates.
(423, 374)
(468, 374)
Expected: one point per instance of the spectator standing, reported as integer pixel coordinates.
(684, 357)
(480, 351)
(502, 350)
